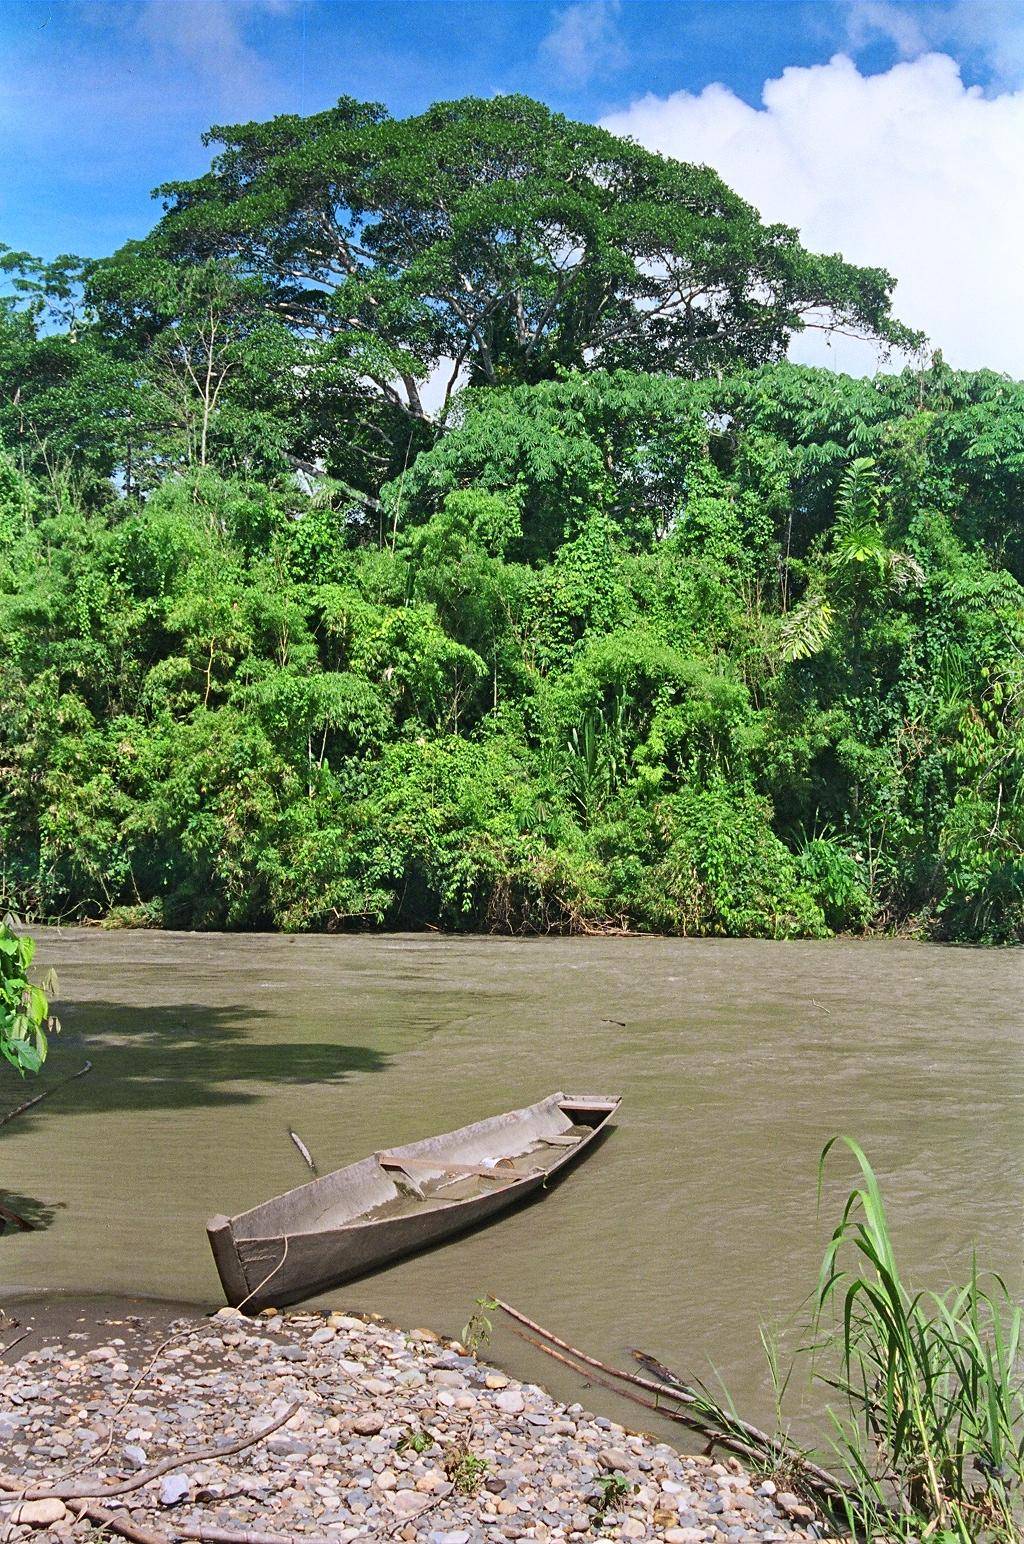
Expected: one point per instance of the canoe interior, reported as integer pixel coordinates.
(476, 1161)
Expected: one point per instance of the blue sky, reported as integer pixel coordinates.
(102, 99)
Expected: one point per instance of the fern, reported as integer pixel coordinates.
(807, 628)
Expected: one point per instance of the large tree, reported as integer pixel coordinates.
(505, 242)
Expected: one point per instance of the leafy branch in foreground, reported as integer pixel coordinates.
(25, 1018)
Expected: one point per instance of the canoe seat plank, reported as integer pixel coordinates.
(460, 1170)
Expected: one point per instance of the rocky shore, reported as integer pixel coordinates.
(397, 1435)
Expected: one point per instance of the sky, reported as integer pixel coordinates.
(889, 130)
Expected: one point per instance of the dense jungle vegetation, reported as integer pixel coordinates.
(422, 526)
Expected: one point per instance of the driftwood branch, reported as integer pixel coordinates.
(303, 1151)
(89, 1491)
(211, 1534)
(114, 1522)
(20, 1109)
(692, 1409)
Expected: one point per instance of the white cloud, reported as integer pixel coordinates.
(907, 170)
(990, 32)
(585, 41)
(210, 38)
(871, 19)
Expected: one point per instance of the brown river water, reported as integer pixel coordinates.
(691, 1226)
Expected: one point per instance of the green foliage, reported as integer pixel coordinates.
(476, 1332)
(466, 1470)
(25, 1019)
(611, 1491)
(596, 648)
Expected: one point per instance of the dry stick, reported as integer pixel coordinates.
(200, 1455)
(636, 1399)
(821, 1476)
(401, 1522)
(685, 1398)
(304, 1151)
(117, 1524)
(15, 1342)
(93, 1458)
(207, 1533)
(210, 1533)
(754, 1441)
(820, 1483)
(36, 1098)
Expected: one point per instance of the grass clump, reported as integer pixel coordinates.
(930, 1430)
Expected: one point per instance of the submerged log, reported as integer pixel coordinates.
(19, 1109)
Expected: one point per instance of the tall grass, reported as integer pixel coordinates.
(930, 1428)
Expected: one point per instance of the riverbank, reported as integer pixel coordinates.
(393, 1435)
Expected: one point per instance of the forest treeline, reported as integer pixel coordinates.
(422, 527)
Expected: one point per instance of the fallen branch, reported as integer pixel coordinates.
(115, 1523)
(15, 1342)
(20, 1109)
(71, 1492)
(211, 1534)
(758, 1438)
(207, 1533)
(695, 1410)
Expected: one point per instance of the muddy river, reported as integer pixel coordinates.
(693, 1224)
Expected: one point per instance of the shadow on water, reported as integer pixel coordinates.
(39, 1213)
(173, 1058)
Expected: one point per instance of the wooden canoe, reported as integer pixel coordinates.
(356, 1219)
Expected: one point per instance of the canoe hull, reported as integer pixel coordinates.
(289, 1266)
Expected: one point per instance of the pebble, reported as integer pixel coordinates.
(367, 1425)
(173, 1489)
(381, 1415)
(40, 1514)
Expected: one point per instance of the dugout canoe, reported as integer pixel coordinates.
(356, 1219)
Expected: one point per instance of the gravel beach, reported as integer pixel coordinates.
(398, 1435)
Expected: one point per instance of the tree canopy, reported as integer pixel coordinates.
(508, 242)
